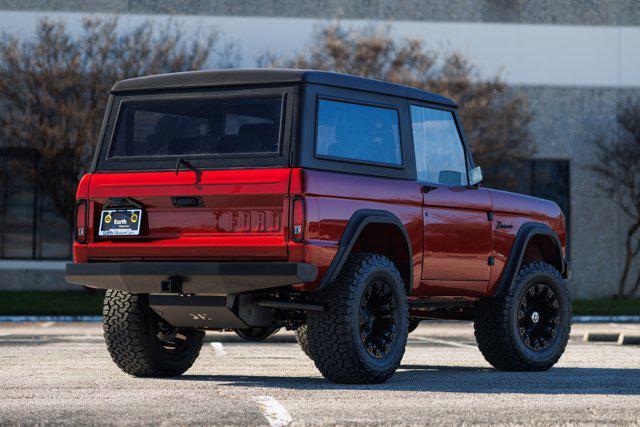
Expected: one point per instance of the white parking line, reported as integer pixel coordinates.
(445, 342)
(218, 349)
(276, 414)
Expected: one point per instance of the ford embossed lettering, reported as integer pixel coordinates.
(120, 222)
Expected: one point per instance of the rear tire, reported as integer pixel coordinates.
(361, 336)
(141, 343)
(527, 329)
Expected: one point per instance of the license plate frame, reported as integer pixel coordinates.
(111, 224)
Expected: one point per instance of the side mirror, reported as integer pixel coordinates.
(475, 176)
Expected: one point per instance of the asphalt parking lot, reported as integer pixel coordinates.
(62, 374)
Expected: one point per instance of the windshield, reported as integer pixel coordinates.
(198, 127)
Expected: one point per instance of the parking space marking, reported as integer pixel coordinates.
(276, 414)
(218, 349)
(445, 342)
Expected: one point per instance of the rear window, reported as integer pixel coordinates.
(358, 132)
(207, 127)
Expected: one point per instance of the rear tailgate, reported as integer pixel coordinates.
(230, 214)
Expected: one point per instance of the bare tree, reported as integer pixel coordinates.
(54, 88)
(496, 121)
(618, 165)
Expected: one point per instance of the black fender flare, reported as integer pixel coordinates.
(527, 231)
(358, 221)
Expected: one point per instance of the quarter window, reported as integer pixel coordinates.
(358, 132)
(440, 155)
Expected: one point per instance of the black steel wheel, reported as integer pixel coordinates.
(527, 328)
(378, 319)
(171, 338)
(538, 317)
(361, 336)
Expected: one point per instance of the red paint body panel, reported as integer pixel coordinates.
(515, 210)
(246, 217)
(332, 198)
(457, 238)
(243, 217)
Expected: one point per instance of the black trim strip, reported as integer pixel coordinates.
(291, 305)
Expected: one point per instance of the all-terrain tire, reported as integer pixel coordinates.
(414, 322)
(302, 340)
(334, 335)
(496, 322)
(131, 334)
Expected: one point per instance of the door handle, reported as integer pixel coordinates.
(426, 188)
(187, 202)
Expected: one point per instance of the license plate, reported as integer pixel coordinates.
(120, 222)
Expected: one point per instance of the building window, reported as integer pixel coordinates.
(547, 179)
(30, 225)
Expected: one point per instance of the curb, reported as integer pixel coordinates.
(629, 339)
(601, 337)
(606, 319)
(69, 319)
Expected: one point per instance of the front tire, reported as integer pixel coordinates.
(141, 343)
(527, 329)
(361, 336)
(303, 340)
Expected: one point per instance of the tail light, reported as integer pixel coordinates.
(297, 219)
(81, 221)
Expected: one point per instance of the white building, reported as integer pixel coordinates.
(573, 60)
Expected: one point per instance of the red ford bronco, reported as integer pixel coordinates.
(344, 208)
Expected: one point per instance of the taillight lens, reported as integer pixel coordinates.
(81, 221)
(297, 219)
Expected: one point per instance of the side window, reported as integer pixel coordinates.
(440, 155)
(358, 132)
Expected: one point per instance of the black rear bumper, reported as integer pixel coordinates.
(206, 278)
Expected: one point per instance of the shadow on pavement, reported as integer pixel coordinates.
(581, 381)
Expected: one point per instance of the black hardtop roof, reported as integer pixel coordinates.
(239, 77)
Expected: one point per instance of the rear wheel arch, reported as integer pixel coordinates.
(534, 242)
(362, 234)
